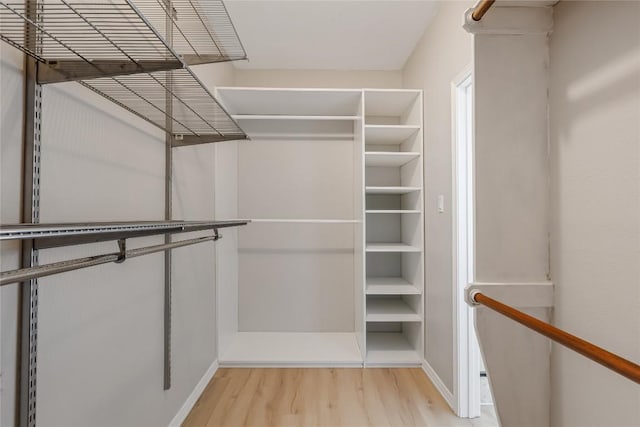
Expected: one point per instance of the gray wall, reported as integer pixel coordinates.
(442, 54)
(100, 329)
(595, 206)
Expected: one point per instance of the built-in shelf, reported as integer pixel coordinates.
(386, 348)
(390, 310)
(391, 190)
(394, 241)
(312, 349)
(391, 247)
(240, 117)
(389, 159)
(388, 134)
(392, 211)
(390, 286)
(290, 102)
(389, 103)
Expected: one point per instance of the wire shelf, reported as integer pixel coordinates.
(134, 54)
(92, 38)
(196, 116)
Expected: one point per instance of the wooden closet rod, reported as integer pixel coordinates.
(597, 354)
(481, 9)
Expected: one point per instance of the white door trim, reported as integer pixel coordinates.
(466, 350)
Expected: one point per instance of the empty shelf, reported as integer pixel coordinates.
(390, 310)
(391, 247)
(288, 101)
(84, 40)
(390, 348)
(390, 103)
(292, 349)
(285, 117)
(114, 49)
(389, 159)
(390, 286)
(392, 211)
(388, 134)
(196, 115)
(391, 190)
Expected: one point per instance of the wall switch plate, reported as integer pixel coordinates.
(440, 203)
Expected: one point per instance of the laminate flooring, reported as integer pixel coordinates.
(331, 397)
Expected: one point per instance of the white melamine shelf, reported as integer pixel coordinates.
(390, 286)
(287, 117)
(391, 190)
(388, 134)
(390, 310)
(385, 102)
(293, 349)
(392, 211)
(305, 221)
(391, 247)
(390, 348)
(389, 159)
(290, 101)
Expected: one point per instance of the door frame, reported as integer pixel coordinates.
(466, 349)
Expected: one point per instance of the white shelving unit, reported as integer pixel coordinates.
(294, 301)
(394, 228)
(330, 272)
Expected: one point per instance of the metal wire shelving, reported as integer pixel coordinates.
(136, 54)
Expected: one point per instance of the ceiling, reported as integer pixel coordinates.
(329, 34)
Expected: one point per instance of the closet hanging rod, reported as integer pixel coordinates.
(55, 235)
(20, 275)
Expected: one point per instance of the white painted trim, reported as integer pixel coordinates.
(182, 414)
(439, 385)
(466, 385)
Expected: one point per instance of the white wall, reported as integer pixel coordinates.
(318, 78)
(100, 333)
(595, 206)
(443, 52)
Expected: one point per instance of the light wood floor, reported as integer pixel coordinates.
(324, 397)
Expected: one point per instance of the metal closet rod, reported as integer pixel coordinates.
(46, 236)
(24, 274)
(55, 235)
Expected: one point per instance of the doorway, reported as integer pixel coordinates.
(468, 382)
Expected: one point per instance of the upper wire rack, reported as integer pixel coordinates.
(135, 55)
(104, 33)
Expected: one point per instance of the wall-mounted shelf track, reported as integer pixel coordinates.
(120, 50)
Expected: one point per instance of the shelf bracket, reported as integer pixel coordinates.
(122, 248)
(57, 71)
(186, 140)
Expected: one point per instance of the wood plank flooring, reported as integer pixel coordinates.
(324, 397)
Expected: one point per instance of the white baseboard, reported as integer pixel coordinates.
(193, 397)
(437, 382)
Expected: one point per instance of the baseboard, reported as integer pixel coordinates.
(193, 397)
(437, 382)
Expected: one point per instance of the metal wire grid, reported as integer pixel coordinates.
(107, 35)
(83, 31)
(202, 30)
(195, 111)
(124, 30)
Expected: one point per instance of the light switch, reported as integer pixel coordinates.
(440, 203)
